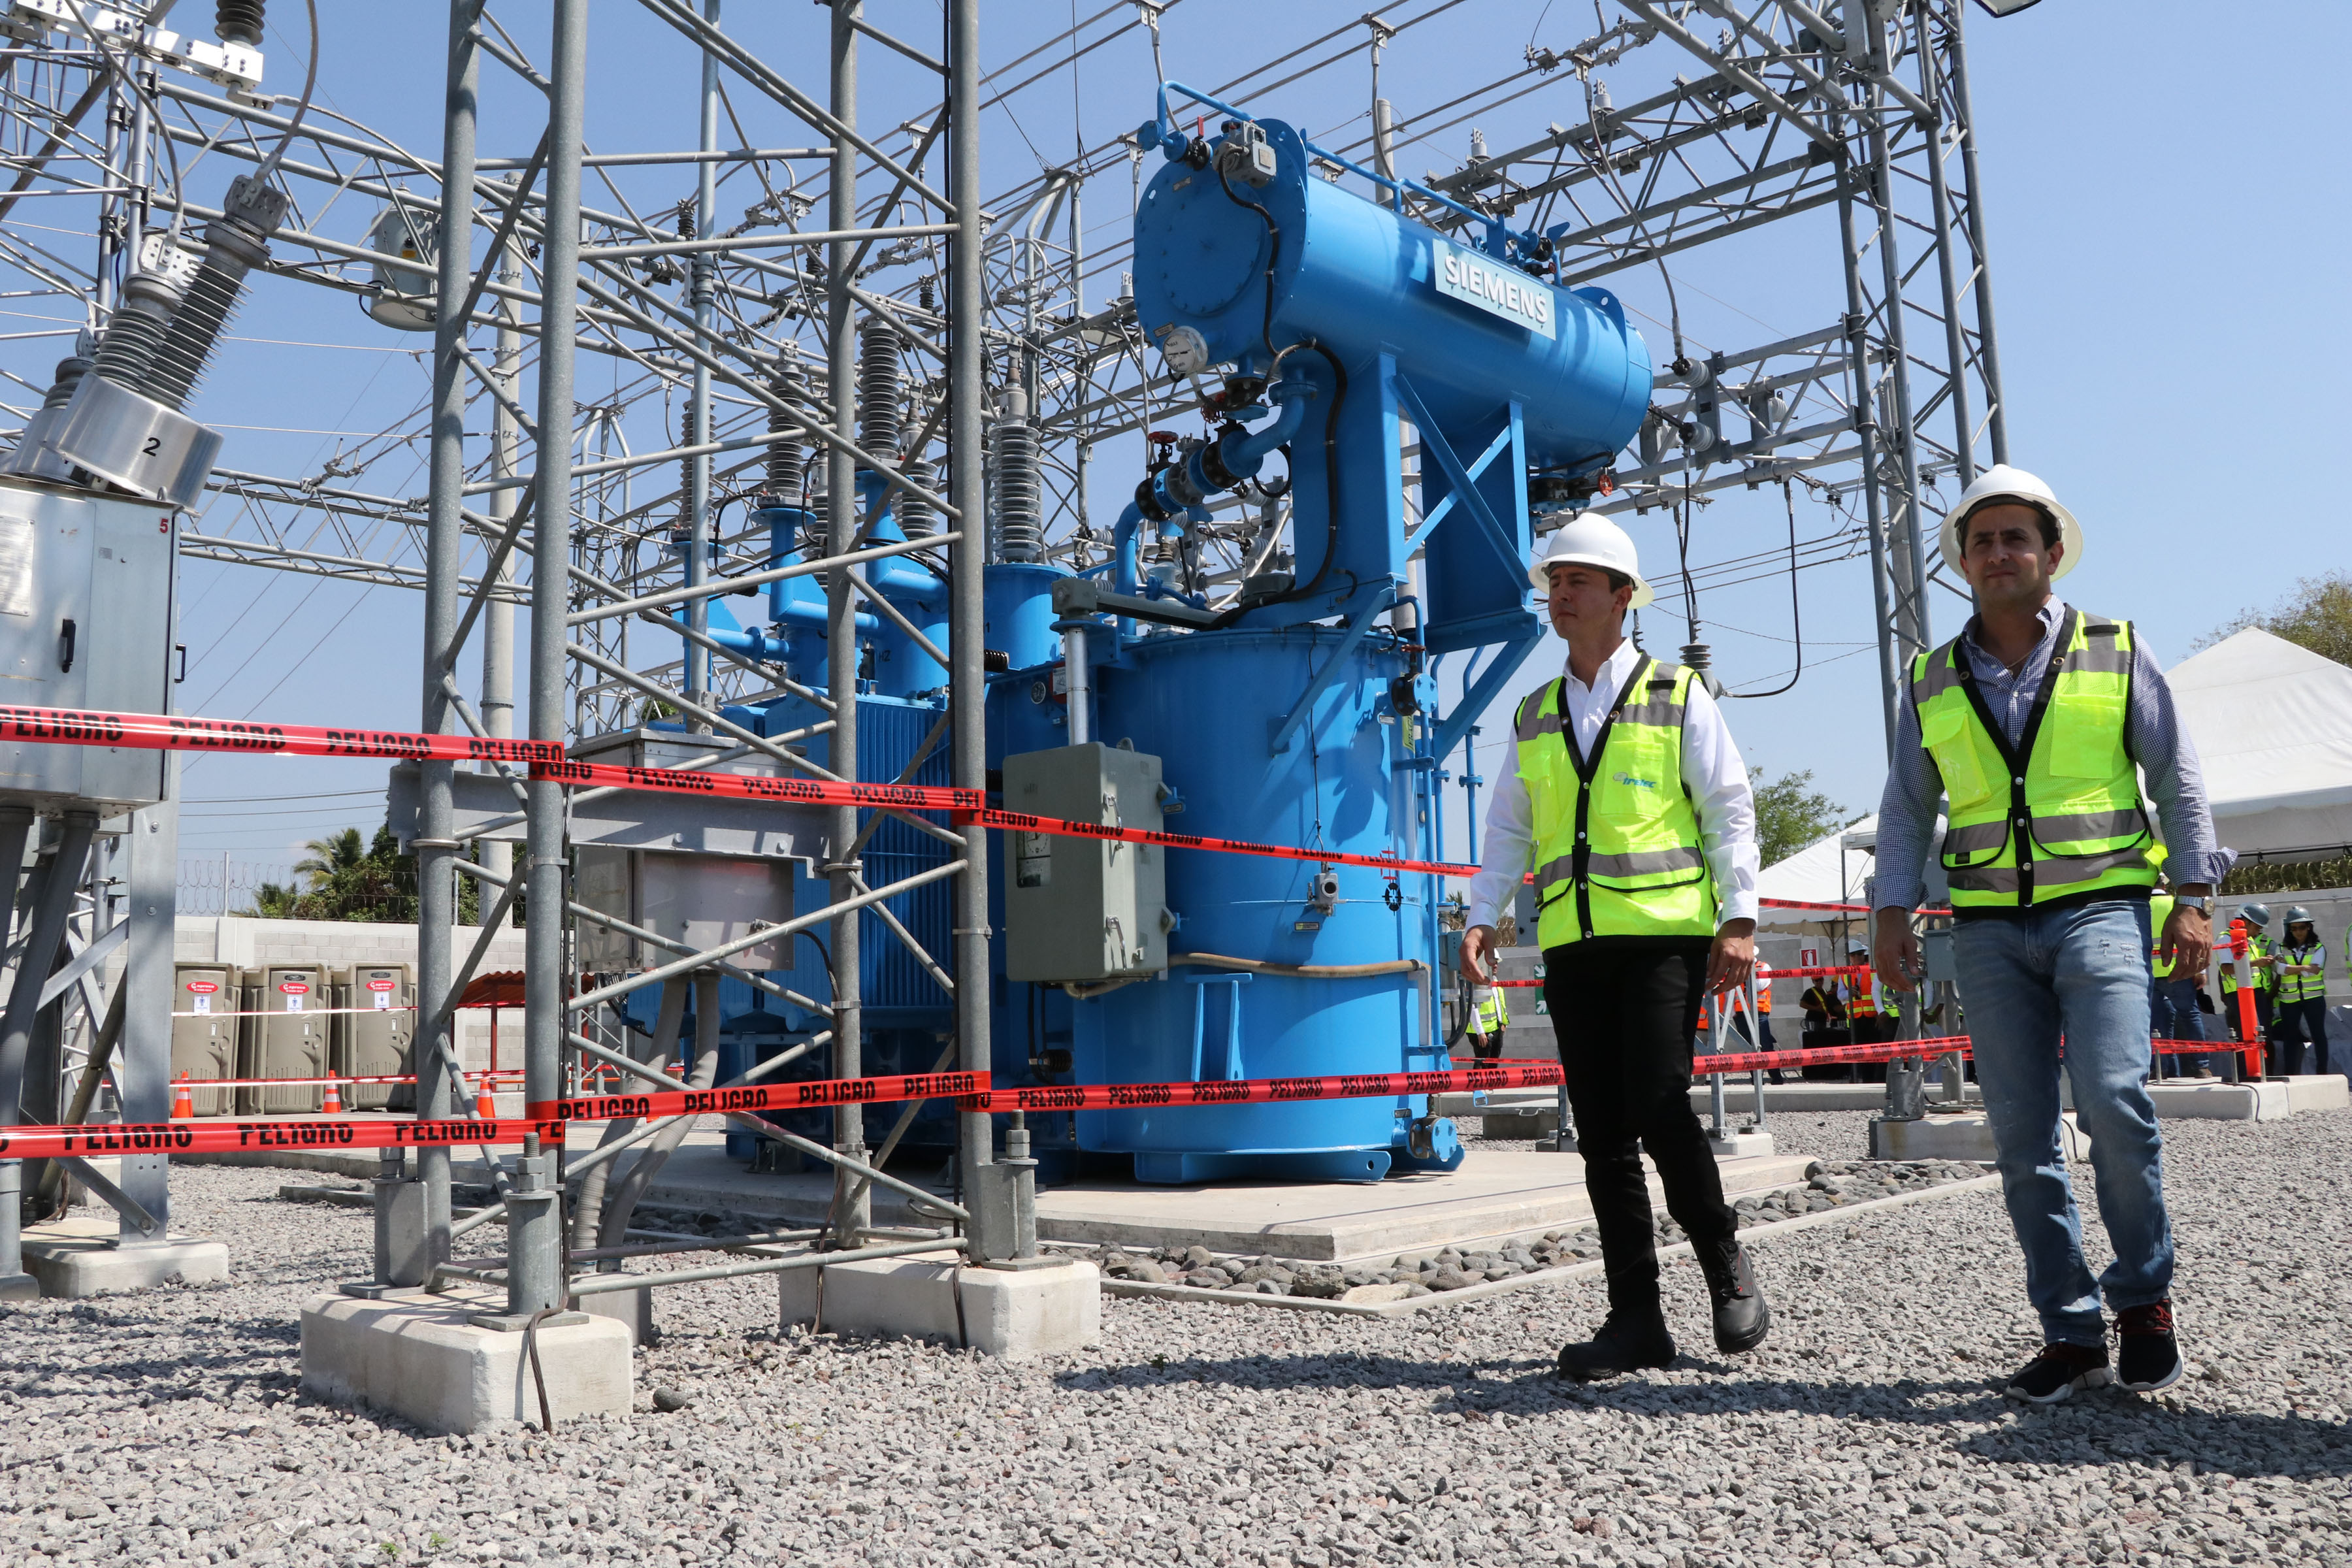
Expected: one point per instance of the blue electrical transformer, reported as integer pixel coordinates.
(1305, 714)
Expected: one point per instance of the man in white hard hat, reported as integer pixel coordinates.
(2036, 723)
(1628, 802)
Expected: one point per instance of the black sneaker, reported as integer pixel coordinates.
(2058, 1372)
(1626, 1343)
(2148, 1357)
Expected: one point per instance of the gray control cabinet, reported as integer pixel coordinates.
(85, 623)
(1084, 909)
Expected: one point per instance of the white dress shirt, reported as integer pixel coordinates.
(1712, 770)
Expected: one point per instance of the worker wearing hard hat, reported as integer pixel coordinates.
(2037, 722)
(2299, 973)
(1628, 802)
(2259, 963)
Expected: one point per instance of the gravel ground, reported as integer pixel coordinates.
(171, 1427)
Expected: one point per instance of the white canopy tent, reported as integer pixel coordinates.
(2272, 726)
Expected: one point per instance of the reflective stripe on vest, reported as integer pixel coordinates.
(2303, 987)
(2060, 815)
(1617, 846)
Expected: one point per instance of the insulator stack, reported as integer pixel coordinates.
(879, 388)
(1016, 514)
(238, 22)
(787, 458)
(134, 334)
(690, 434)
(916, 518)
(233, 246)
(69, 373)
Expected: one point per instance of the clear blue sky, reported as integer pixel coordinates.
(2168, 276)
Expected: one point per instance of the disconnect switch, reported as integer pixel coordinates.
(1084, 909)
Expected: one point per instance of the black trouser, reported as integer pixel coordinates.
(2300, 1023)
(1624, 1010)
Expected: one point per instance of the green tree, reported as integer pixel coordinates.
(1790, 814)
(2316, 616)
(348, 878)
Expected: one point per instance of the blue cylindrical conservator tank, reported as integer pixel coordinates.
(1362, 279)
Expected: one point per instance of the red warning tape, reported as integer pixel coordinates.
(758, 1097)
(760, 787)
(165, 732)
(1022, 822)
(213, 1137)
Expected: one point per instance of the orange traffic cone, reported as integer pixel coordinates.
(485, 1106)
(183, 1104)
(334, 1101)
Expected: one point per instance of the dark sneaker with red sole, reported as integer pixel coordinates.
(2147, 1356)
(2058, 1372)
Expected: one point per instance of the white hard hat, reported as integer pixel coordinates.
(1588, 538)
(2003, 483)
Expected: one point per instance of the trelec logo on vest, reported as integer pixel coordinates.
(1624, 778)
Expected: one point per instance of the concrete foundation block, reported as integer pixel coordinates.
(74, 1257)
(1011, 1314)
(1962, 1136)
(1520, 1123)
(418, 1358)
(1735, 1145)
(19, 1287)
(2327, 1091)
(634, 1310)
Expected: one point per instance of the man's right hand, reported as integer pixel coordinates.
(1476, 943)
(1894, 951)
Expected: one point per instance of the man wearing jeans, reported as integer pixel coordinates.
(2036, 723)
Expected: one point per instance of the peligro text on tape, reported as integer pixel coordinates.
(216, 1137)
(1022, 822)
(169, 733)
(758, 1096)
(759, 786)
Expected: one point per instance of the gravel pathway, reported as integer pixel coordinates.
(170, 1427)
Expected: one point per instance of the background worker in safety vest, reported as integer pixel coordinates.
(2037, 722)
(2172, 998)
(1489, 1016)
(2299, 971)
(1629, 802)
(2258, 975)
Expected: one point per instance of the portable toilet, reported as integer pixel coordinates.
(375, 1022)
(285, 1037)
(205, 1000)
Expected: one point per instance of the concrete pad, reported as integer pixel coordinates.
(1529, 1123)
(416, 1356)
(1498, 1196)
(1011, 1314)
(1968, 1136)
(75, 1257)
(19, 1287)
(2327, 1091)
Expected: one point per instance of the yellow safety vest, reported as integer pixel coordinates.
(2160, 910)
(2065, 817)
(1617, 846)
(1494, 1014)
(2303, 987)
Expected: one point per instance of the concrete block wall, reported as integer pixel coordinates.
(250, 943)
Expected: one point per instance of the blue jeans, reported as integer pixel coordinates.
(2080, 971)
(2173, 1015)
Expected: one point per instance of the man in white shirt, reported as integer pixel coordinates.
(1629, 804)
